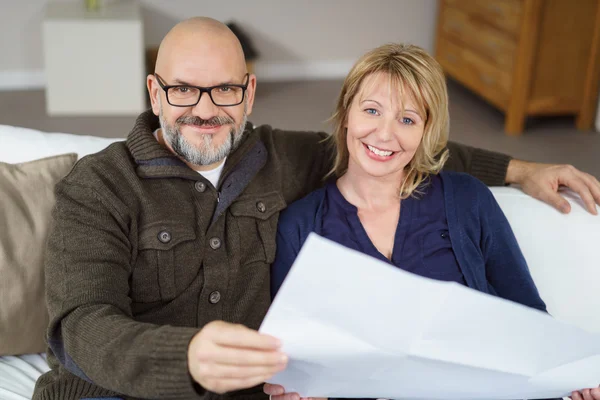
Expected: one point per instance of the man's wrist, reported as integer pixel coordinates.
(516, 171)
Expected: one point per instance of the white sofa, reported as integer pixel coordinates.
(562, 250)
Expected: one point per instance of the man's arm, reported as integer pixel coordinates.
(487, 166)
(540, 181)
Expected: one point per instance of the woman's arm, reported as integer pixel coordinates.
(288, 247)
(506, 268)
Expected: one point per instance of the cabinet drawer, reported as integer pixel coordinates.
(497, 47)
(490, 81)
(503, 14)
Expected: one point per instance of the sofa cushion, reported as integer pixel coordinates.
(27, 193)
(23, 144)
(561, 252)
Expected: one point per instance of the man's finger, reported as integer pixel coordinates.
(554, 199)
(583, 184)
(219, 371)
(576, 396)
(586, 394)
(581, 187)
(235, 335)
(596, 393)
(594, 186)
(242, 357)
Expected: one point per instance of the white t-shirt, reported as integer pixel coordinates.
(212, 175)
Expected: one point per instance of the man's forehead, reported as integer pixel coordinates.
(202, 60)
(203, 74)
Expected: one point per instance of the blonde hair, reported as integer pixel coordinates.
(412, 68)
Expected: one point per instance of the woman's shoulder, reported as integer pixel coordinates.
(462, 183)
(465, 189)
(302, 212)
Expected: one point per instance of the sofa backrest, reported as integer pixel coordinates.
(562, 251)
(21, 144)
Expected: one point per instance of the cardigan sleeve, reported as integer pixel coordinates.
(288, 247)
(506, 269)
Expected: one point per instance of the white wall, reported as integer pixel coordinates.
(297, 39)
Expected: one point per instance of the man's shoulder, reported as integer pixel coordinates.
(289, 138)
(109, 163)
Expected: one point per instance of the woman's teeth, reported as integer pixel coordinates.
(381, 153)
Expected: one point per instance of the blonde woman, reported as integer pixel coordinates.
(387, 196)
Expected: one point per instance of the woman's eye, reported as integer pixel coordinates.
(371, 111)
(407, 121)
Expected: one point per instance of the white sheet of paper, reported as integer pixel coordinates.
(354, 326)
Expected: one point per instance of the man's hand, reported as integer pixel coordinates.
(542, 181)
(587, 394)
(277, 392)
(223, 357)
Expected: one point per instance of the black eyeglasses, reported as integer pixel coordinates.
(188, 96)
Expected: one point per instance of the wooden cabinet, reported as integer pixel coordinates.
(526, 57)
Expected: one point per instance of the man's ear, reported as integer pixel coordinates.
(154, 93)
(250, 92)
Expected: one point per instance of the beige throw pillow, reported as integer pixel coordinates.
(26, 200)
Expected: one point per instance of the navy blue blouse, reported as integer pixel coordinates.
(421, 243)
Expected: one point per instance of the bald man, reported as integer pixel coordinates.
(157, 265)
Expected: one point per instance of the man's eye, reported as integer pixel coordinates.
(224, 89)
(183, 89)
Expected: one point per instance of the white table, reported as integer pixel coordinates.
(94, 60)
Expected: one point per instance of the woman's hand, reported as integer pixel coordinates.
(277, 392)
(586, 394)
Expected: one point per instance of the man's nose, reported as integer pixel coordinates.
(205, 108)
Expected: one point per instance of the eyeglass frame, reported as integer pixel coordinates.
(204, 89)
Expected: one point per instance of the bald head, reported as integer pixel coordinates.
(200, 39)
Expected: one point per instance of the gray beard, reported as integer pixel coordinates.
(206, 153)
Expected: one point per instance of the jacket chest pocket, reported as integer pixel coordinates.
(166, 262)
(256, 219)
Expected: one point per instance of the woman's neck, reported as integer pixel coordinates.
(367, 192)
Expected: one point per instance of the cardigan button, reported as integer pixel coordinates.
(260, 206)
(164, 237)
(200, 186)
(215, 243)
(214, 297)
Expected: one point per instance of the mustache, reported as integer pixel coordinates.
(192, 120)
